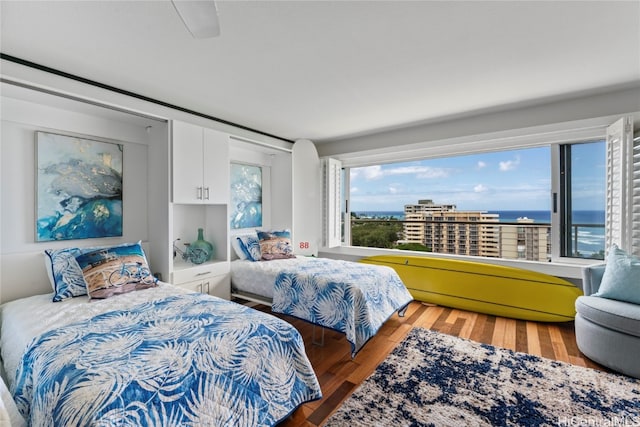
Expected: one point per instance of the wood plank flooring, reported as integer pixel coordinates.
(339, 375)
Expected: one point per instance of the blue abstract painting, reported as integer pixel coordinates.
(246, 196)
(79, 188)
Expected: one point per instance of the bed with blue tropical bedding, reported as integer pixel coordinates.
(168, 359)
(353, 298)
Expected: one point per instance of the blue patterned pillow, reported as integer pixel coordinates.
(621, 278)
(250, 246)
(237, 247)
(65, 273)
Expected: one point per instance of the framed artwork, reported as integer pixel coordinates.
(246, 196)
(78, 188)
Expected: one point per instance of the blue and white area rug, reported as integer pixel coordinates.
(433, 379)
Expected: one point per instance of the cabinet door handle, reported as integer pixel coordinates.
(207, 283)
(199, 193)
(200, 286)
(206, 193)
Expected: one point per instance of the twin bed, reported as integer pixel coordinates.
(163, 355)
(352, 298)
(159, 356)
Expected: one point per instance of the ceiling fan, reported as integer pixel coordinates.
(199, 16)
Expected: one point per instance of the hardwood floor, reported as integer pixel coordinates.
(339, 375)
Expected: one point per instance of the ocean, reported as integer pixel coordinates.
(579, 217)
(590, 239)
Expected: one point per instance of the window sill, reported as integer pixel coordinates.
(569, 268)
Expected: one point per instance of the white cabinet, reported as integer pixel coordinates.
(210, 278)
(200, 164)
(200, 176)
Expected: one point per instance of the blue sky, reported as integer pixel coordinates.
(507, 180)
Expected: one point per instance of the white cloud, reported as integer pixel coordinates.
(368, 172)
(421, 172)
(393, 190)
(354, 189)
(508, 165)
(480, 188)
(481, 164)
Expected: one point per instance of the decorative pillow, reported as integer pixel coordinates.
(237, 249)
(116, 270)
(275, 244)
(621, 278)
(64, 273)
(250, 247)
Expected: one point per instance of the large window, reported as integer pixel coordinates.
(555, 193)
(496, 204)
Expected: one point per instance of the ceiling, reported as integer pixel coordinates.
(327, 70)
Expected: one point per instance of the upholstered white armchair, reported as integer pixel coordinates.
(608, 315)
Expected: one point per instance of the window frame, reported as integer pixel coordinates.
(562, 200)
(552, 136)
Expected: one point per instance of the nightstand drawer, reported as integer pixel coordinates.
(219, 286)
(190, 272)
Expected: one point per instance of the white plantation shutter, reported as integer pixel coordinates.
(331, 224)
(623, 187)
(635, 200)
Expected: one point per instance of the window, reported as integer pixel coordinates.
(553, 195)
(464, 205)
(583, 178)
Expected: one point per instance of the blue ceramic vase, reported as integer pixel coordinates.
(201, 251)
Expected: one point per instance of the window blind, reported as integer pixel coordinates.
(622, 188)
(331, 224)
(635, 204)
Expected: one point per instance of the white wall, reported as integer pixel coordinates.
(158, 216)
(22, 269)
(606, 106)
(20, 256)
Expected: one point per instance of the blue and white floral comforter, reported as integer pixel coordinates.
(349, 297)
(183, 360)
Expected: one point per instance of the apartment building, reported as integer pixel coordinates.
(526, 241)
(444, 229)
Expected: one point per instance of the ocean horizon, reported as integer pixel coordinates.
(539, 216)
(590, 239)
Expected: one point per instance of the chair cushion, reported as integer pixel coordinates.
(621, 278)
(617, 315)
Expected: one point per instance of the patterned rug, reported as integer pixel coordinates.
(441, 380)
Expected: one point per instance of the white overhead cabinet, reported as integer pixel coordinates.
(200, 165)
(200, 160)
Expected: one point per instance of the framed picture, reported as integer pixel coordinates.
(78, 188)
(246, 196)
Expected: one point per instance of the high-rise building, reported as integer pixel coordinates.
(525, 241)
(447, 230)
(444, 229)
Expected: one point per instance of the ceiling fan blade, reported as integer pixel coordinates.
(199, 16)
